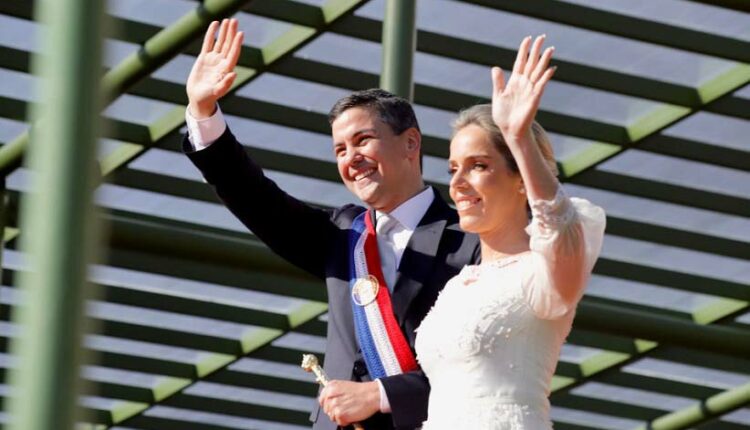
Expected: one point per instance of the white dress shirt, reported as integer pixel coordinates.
(202, 133)
(408, 215)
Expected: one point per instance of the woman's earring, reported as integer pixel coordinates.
(522, 190)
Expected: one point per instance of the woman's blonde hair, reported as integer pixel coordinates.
(481, 116)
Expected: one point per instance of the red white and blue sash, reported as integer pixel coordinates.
(384, 347)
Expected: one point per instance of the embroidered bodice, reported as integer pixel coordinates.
(490, 344)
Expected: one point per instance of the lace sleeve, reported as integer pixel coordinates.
(566, 238)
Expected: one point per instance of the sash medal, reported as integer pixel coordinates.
(383, 345)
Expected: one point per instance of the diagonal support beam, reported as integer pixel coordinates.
(709, 408)
(165, 45)
(154, 53)
(257, 61)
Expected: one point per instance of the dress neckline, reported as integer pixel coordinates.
(501, 262)
(471, 272)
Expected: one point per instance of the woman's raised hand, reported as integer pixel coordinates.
(213, 71)
(514, 104)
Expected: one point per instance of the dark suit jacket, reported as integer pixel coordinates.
(317, 241)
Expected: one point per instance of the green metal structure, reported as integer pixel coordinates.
(199, 326)
(60, 247)
(399, 44)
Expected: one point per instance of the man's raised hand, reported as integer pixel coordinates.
(213, 72)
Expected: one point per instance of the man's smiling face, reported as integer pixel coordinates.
(373, 161)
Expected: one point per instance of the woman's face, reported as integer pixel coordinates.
(485, 190)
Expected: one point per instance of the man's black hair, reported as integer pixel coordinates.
(392, 110)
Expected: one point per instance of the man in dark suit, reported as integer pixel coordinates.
(377, 145)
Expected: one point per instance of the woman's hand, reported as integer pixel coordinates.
(514, 104)
(213, 72)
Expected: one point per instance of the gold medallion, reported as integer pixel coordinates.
(365, 290)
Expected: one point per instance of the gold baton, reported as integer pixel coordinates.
(310, 364)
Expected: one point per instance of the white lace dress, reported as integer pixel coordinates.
(490, 344)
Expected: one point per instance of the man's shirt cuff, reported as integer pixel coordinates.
(385, 406)
(203, 132)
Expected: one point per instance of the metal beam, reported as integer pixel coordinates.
(731, 106)
(608, 407)
(670, 236)
(371, 30)
(314, 168)
(153, 54)
(156, 237)
(713, 90)
(128, 250)
(607, 363)
(447, 99)
(591, 315)
(259, 410)
(399, 44)
(275, 51)
(698, 151)
(711, 407)
(571, 72)
(662, 191)
(59, 247)
(133, 400)
(671, 278)
(597, 131)
(628, 26)
(621, 351)
(642, 325)
(739, 5)
(662, 385)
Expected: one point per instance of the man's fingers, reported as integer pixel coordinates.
(326, 395)
(222, 34)
(208, 39)
(333, 389)
(339, 418)
(234, 52)
(225, 84)
(229, 38)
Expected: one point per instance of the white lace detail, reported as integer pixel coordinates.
(552, 214)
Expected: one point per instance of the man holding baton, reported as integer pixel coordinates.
(383, 264)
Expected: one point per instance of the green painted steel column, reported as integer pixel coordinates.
(399, 44)
(57, 217)
(712, 407)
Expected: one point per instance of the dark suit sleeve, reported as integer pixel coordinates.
(296, 231)
(407, 394)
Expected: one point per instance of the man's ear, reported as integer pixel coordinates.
(413, 141)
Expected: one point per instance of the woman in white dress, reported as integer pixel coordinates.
(491, 343)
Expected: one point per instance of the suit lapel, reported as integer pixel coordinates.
(419, 256)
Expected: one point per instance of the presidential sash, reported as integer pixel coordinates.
(384, 347)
